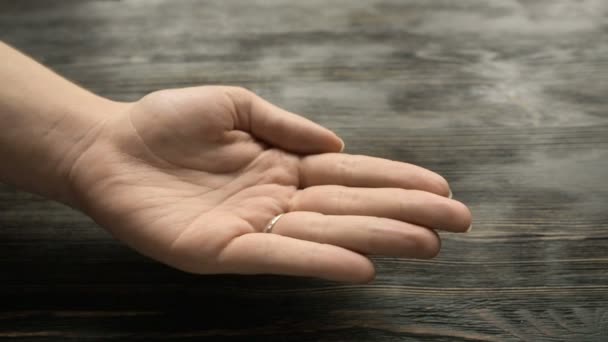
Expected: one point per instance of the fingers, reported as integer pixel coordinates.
(411, 206)
(279, 127)
(260, 253)
(364, 234)
(368, 172)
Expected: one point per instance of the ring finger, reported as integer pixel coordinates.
(363, 234)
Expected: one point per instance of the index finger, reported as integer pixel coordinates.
(368, 172)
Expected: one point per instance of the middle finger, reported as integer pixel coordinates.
(412, 206)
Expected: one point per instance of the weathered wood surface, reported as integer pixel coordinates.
(507, 99)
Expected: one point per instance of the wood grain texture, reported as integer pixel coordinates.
(507, 99)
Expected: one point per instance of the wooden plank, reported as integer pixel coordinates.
(506, 99)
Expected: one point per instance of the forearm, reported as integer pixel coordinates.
(45, 123)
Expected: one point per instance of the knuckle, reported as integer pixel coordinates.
(238, 93)
(300, 202)
(277, 175)
(241, 100)
(279, 168)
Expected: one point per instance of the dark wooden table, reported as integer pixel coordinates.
(507, 99)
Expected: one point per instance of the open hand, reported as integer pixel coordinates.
(191, 177)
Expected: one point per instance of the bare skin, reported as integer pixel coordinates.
(191, 177)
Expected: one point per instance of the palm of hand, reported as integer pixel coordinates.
(191, 177)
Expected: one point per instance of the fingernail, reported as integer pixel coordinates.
(343, 145)
(450, 195)
(469, 229)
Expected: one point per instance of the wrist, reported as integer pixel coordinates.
(82, 134)
(47, 123)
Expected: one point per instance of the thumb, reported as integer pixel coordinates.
(279, 127)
